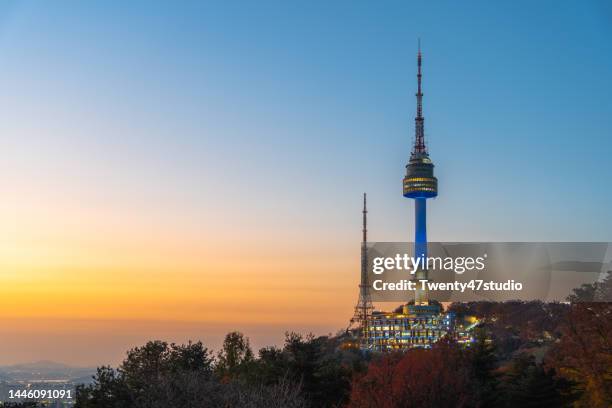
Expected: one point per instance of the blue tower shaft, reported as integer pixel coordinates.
(420, 248)
(420, 230)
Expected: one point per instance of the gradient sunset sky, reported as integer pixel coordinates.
(178, 170)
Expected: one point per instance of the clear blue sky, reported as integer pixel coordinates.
(288, 112)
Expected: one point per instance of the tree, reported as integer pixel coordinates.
(527, 384)
(314, 363)
(271, 366)
(108, 390)
(483, 364)
(282, 394)
(155, 375)
(583, 354)
(234, 356)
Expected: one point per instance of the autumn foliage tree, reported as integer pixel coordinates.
(439, 377)
(584, 353)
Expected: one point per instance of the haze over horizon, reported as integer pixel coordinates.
(179, 171)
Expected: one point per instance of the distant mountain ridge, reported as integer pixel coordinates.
(44, 370)
(38, 365)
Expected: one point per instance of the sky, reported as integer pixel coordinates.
(179, 170)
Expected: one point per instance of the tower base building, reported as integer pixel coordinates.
(411, 326)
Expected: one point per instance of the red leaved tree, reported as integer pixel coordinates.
(439, 377)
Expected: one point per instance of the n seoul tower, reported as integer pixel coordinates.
(420, 185)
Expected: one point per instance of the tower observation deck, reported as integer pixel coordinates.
(420, 185)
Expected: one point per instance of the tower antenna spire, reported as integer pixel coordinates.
(419, 128)
(365, 220)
